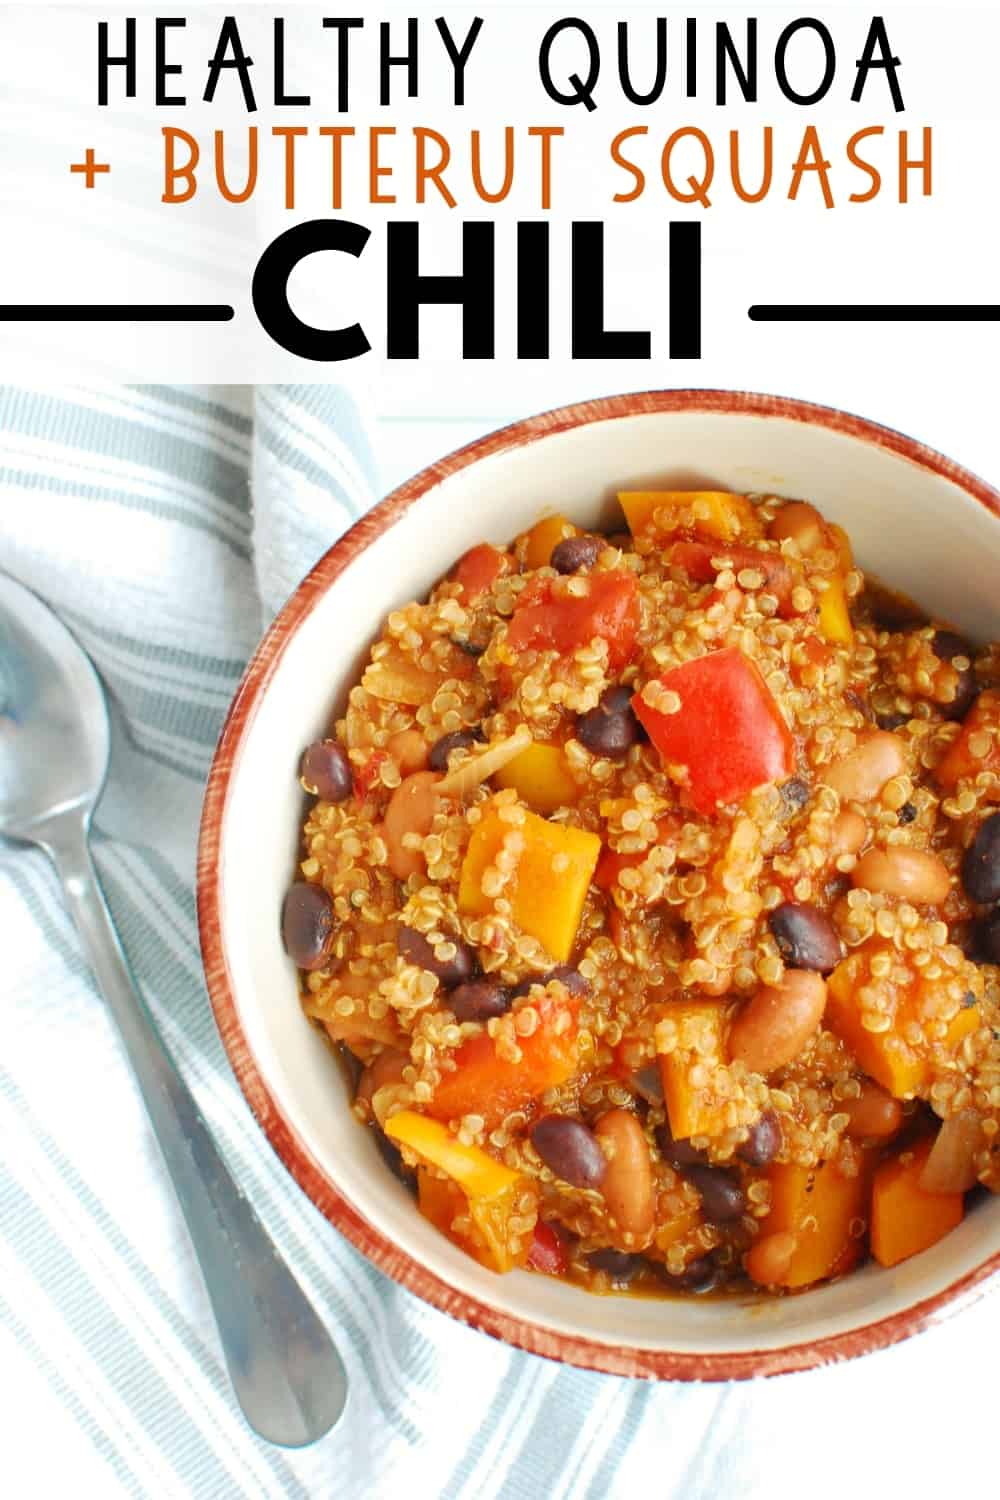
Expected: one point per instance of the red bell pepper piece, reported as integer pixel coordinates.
(610, 862)
(700, 561)
(728, 734)
(547, 1252)
(478, 569)
(484, 1083)
(549, 619)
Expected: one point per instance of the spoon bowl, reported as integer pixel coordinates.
(55, 747)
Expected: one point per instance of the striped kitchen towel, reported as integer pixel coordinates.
(166, 526)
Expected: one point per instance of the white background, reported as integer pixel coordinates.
(117, 242)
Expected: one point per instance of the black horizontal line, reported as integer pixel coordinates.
(878, 312)
(115, 312)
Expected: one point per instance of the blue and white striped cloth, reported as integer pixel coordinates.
(166, 526)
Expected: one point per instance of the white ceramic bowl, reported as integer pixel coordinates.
(916, 519)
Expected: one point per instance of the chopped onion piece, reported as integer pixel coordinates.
(479, 768)
(951, 1166)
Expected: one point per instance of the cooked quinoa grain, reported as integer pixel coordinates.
(656, 902)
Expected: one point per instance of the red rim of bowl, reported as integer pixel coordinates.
(311, 1177)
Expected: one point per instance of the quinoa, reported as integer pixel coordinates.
(648, 761)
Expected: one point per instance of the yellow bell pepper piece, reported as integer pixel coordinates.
(543, 537)
(716, 512)
(549, 886)
(691, 1110)
(478, 1174)
(834, 620)
(541, 778)
(476, 1182)
(843, 545)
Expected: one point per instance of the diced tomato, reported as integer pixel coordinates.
(547, 1252)
(546, 620)
(366, 777)
(728, 734)
(611, 862)
(703, 560)
(486, 1084)
(478, 569)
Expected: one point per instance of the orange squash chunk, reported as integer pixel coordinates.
(887, 1056)
(981, 722)
(820, 1206)
(694, 1110)
(715, 512)
(543, 537)
(549, 886)
(905, 1219)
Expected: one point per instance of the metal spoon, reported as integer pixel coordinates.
(54, 751)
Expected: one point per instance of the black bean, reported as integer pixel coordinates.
(393, 1158)
(795, 793)
(805, 936)
(459, 739)
(986, 939)
(610, 729)
(891, 722)
(307, 925)
(617, 1264)
(575, 552)
(417, 950)
(677, 1153)
(570, 1150)
(981, 862)
(722, 1198)
(946, 645)
(648, 1083)
(699, 1276)
(478, 1000)
(325, 771)
(573, 980)
(762, 1144)
(906, 813)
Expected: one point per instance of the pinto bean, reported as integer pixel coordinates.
(770, 1256)
(862, 774)
(411, 809)
(798, 522)
(910, 873)
(628, 1181)
(409, 750)
(874, 1115)
(848, 834)
(775, 1024)
(575, 552)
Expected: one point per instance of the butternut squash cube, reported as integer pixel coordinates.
(905, 1219)
(544, 537)
(693, 1108)
(549, 885)
(541, 778)
(887, 1056)
(715, 512)
(825, 1210)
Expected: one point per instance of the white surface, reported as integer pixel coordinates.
(897, 515)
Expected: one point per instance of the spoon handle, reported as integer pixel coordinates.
(286, 1372)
